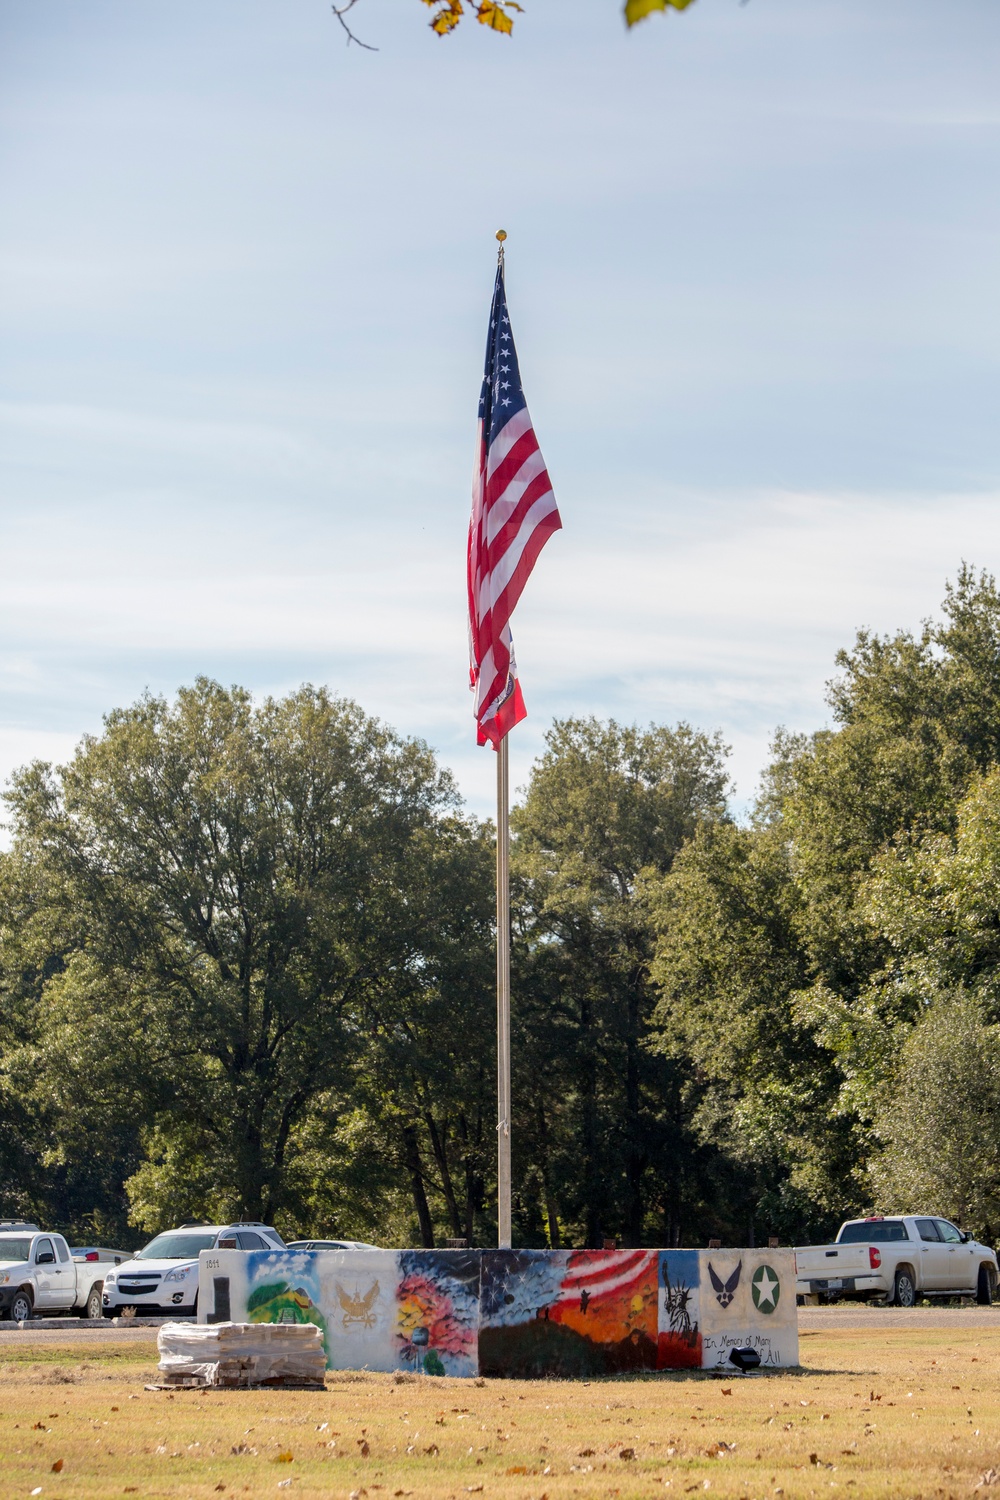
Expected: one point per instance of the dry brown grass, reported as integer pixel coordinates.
(900, 1413)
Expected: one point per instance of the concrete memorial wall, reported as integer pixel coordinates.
(516, 1312)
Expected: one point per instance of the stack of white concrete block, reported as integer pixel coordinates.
(241, 1354)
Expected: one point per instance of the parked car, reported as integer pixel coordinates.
(39, 1275)
(896, 1260)
(162, 1279)
(329, 1245)
(100, 1252)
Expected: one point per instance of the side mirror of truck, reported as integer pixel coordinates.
(966, 1237)
(45, 1259)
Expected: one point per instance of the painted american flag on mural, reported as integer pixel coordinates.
(513, 515)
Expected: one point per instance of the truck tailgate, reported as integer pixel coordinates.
(831, 1263)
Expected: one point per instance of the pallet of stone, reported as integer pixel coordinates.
(237, 1355)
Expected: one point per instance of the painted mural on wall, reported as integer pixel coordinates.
(748, 1298)
(678, 1345)
(516, 1312)
(378, 1309)
(567, 1312)
(437, 1311)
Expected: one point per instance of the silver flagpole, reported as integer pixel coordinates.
(503, 998)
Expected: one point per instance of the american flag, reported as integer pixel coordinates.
(513, 515)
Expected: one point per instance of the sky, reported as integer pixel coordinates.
(245, 271)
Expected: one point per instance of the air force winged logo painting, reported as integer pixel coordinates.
(725, 1291)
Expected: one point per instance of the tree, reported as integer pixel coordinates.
(941, 1121)
(605, 803)
(761, 1093)
(241, 886)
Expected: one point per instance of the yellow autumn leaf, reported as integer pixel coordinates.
(495, 15)
(638, 10)
(447, 16)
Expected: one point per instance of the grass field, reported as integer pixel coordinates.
(894, 1413)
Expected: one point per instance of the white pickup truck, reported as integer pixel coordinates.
(896, 1261)
(39, 1275)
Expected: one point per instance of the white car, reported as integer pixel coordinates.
(896, 1259)
(330, 1245)
(162, 1279)
(39, 1275)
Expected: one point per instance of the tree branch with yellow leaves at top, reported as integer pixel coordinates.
(498, 15)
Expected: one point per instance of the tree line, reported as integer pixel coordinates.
(246, 970)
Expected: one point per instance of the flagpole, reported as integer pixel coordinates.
(503, 997)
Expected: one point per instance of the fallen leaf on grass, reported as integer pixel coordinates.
(363, 1447)
(727, 1390)
(39, 1427)
(220, 1486)
(473, 1488)
(991, 1476)
(817, 1462)
(432, 1451)
(287, 1457)
(585, 1453)
(57, 1467)
(627, 1453)
(519, 1469)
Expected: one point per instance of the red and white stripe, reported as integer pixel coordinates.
(513, 515)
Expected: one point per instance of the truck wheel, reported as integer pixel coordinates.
(904, 1292)
(985, 1286)
(94, 1307)
(20, 1307)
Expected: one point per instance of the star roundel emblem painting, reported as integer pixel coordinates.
(765, 1288)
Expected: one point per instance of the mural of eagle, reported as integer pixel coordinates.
(725, 1291)
(358, 1309)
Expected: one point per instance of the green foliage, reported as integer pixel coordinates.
(941, 1122)
(795, 957)
(729, 967)
(239, 893)
(246, 967)
(605, 804)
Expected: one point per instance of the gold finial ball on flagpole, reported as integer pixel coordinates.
(501, 235)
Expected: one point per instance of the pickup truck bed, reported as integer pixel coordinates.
(39, 1275)
(897, 1260)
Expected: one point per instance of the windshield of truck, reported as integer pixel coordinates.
(177, 1246)
(14, 1249)
(873, 1232)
